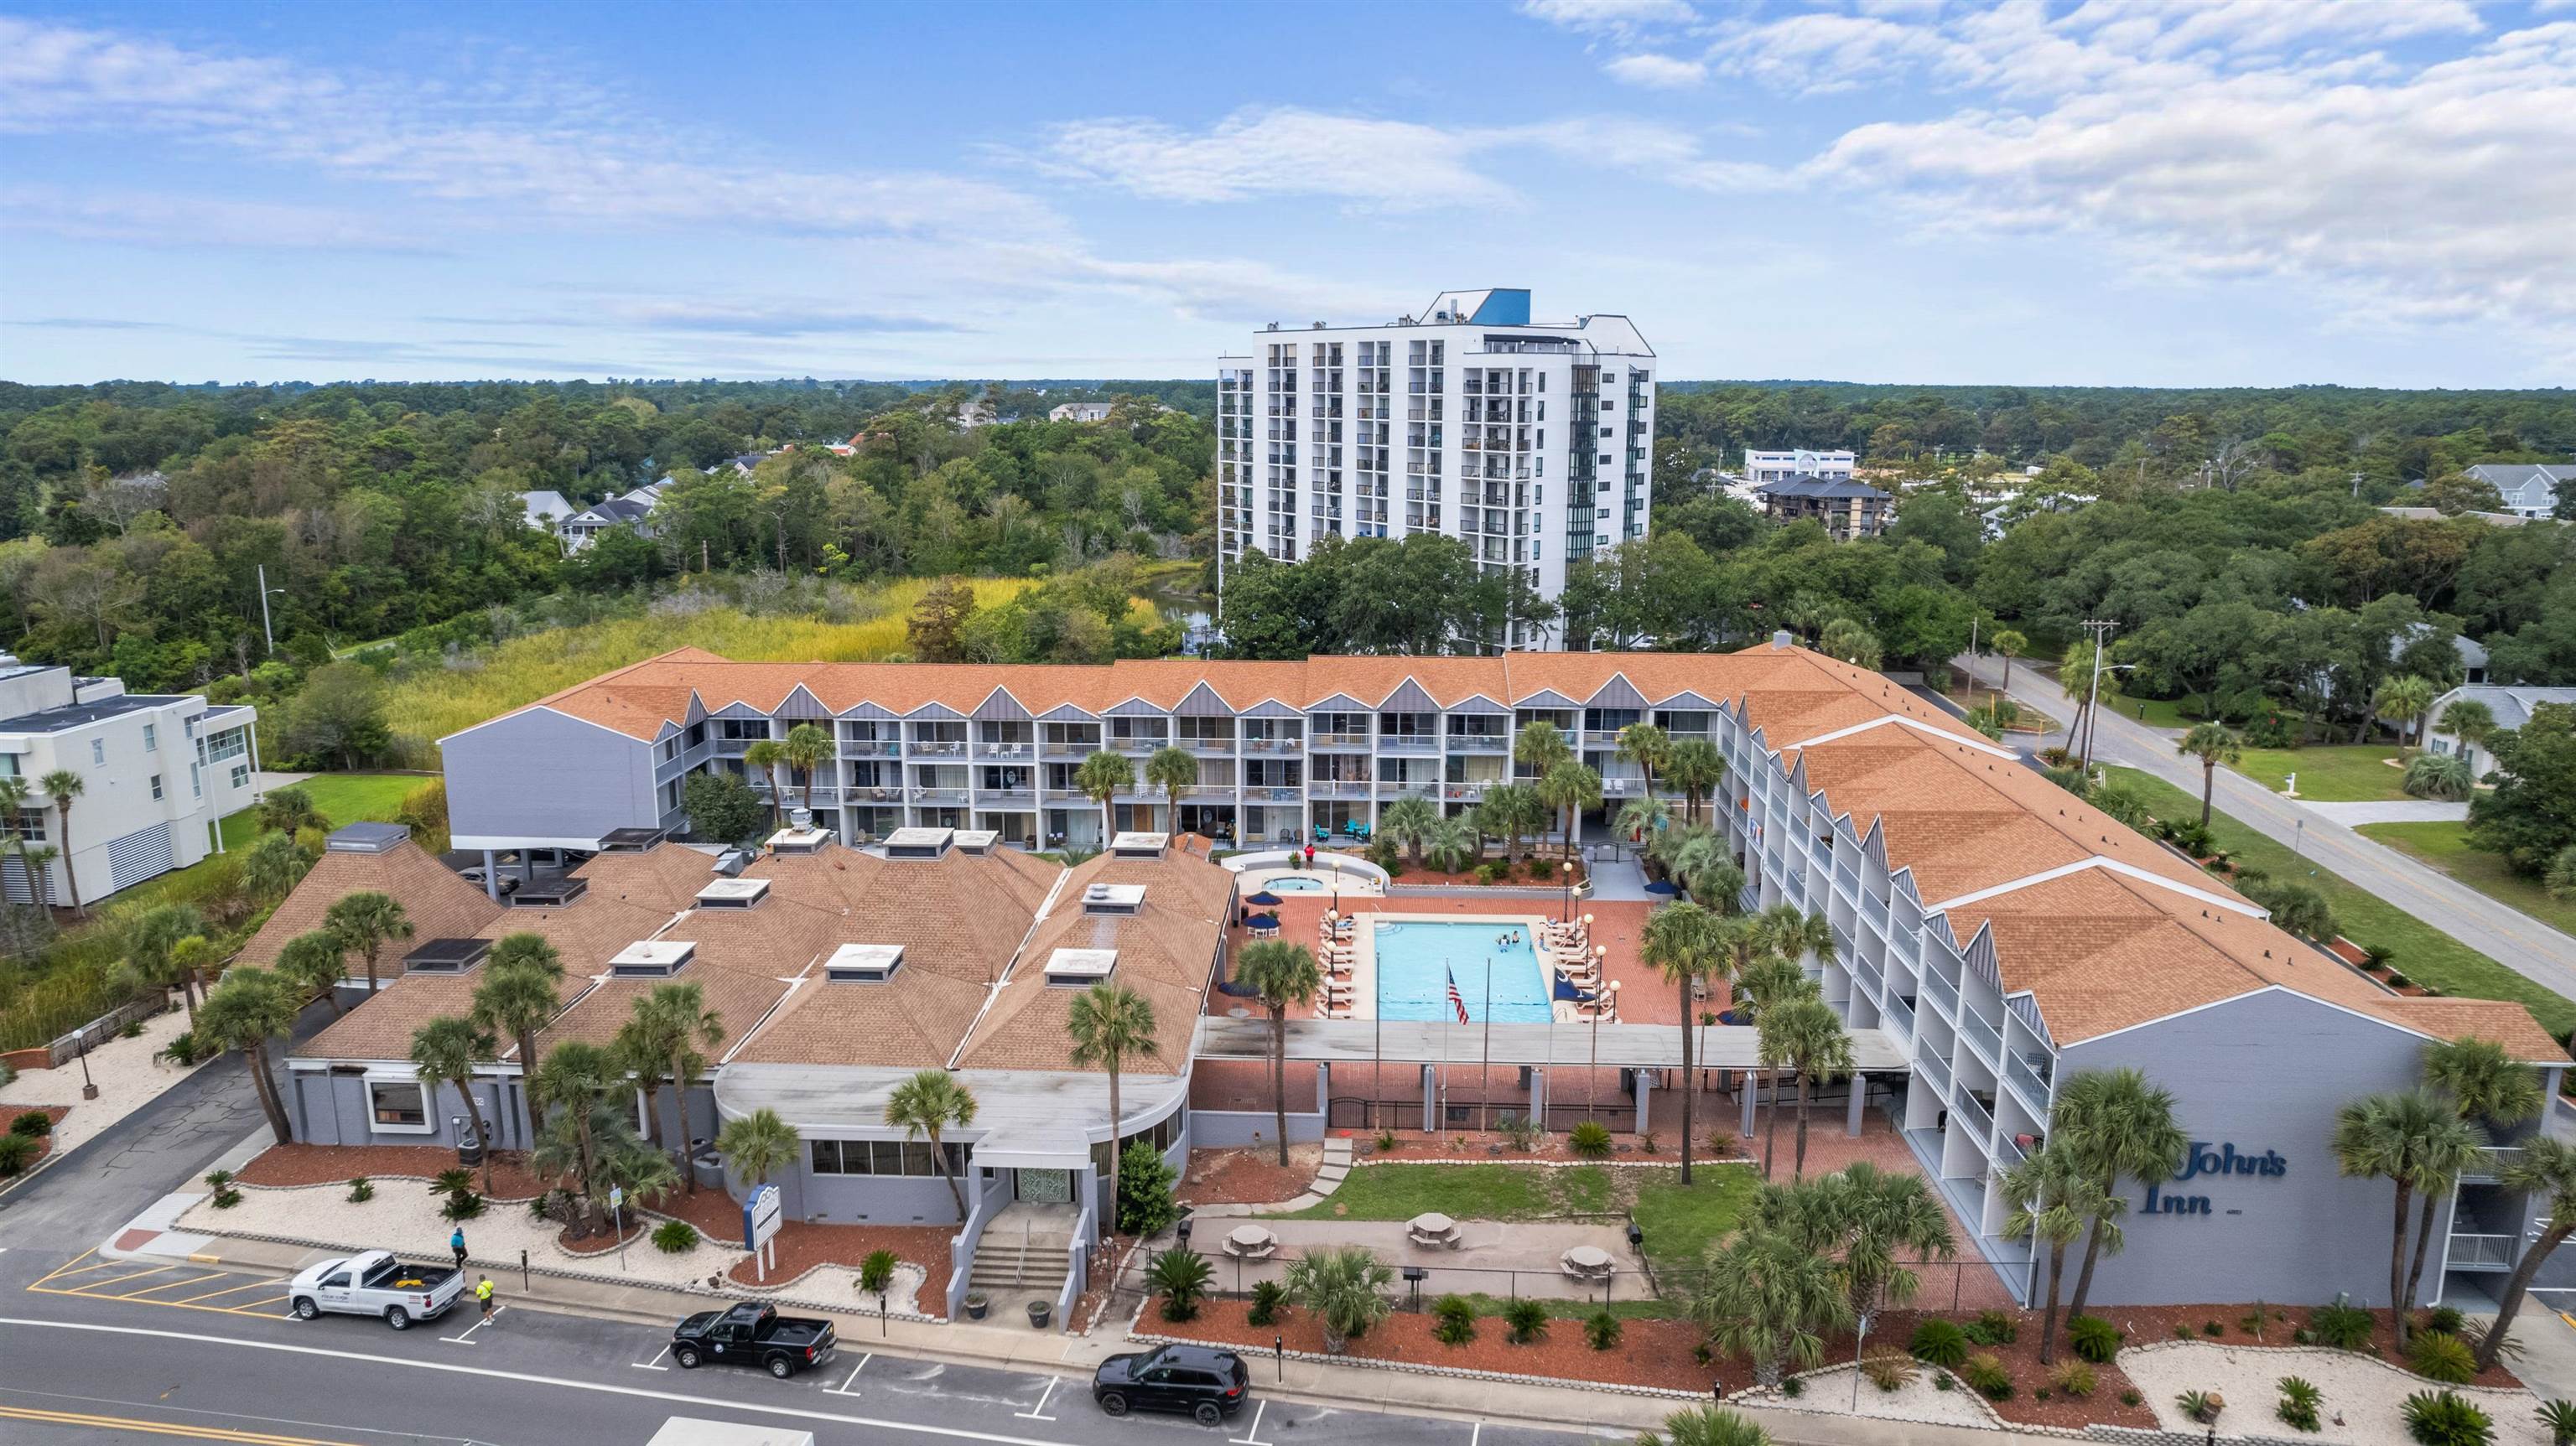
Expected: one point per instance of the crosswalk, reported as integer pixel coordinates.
(179, 1284)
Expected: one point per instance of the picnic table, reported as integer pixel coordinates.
(1251, 1242)
(1586, 1262)
(1432, 1229)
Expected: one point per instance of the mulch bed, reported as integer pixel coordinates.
(44, 1142)
(800, 1247)
(1649, 1353)
(291, 1165)
(2160, 1323)
(1250, 1175)
(604, 1243)
(2020, 1357)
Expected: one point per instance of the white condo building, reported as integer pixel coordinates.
(1798, 462)
(1529, 441)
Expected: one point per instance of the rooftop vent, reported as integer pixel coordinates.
(801, 836)
(1080, 966)
(549, 893)
(732, 862)
(631, 840)
(919, 843)
(978, 841)
(365, 838)
(863, 963)
(733, 893)
(446, 956)
(1113, 898)
(1139, 845)
(650, 959)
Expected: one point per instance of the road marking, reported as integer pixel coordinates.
(249, 1308)
(227, 1290)
(73, 1266)
(650, 1365)
(165, 1285)
(1252, 1433)
(843, 1389)
(466, 1336)
(1476, 1435)
(1038, 1411)
(155, 1428)
(94, 1286)
(947, 1433)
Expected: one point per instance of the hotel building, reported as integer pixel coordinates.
(1532, 442)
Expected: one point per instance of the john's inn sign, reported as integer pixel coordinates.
(2204, 1158)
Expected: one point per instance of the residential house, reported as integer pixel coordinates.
(2511, 707)
(1848, 509)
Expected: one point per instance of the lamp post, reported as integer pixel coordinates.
(266, 635)
(1565, 872)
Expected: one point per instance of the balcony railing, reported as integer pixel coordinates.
(1464, 792)
(2491, 1163)
(1274, 795)
(937, 748)
(1141, 744)
(1602, 738)
(734, 747)
(1291, 744)
(1937, 1070)
(1479, 743)
(1972, 1113)
(1340, 788)
(1867, 973)
(793, 795)
(1006, 750)
(1341, 740)
(2028, 1082)
(2481, 1252)
(870, 748)
(1058, 748)
(1208, 790)
(1006, 797)
(1894, 1010)
(938, 795)
(1208, 745)
(1984, 1038)
(1942, 991)
(1408, 743)
(1389, 789)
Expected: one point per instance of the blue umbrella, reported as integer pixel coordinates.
(1263, 921)
(1662, 888)
(1565, 990)
(1264, 900)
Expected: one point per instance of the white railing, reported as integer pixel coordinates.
(870, 748)
(1478, 743)
(1059, 748)
(2481, 1252)
(1973, 1114)
(1006, 750)
(1983, 1037)
(938, 747)
(1340, 740)
(1942, 990)
(1894, 1009)
(1937, 1070)
(2027, 1082)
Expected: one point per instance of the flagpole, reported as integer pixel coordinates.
(1485, 1086)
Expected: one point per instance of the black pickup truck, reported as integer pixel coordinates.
(752, 1335)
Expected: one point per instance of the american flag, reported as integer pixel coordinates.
(1457, 1001)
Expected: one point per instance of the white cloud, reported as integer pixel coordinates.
(173, 220)
(1656, 72)
(1821, 52)
(1609, 17)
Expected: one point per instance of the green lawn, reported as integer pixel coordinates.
(1679, 1224)
(342, 797)
(2421, 951)
(2445, 846)
(2157, 712)
(2343, 773)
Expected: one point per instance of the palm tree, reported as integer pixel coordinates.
(62, 786)
(1767, 984)
(1696, 768)
(273, 867)
(1647, 746)
(1281, 974)
(1409, 823)
(1454, 845)
(2213, 745)
(1818, 1050)
(1108, 1022)
(2546, 1167)
(1541, 746)
(576, 1078)
(928, 1105)
(2401, 700)
(151, 940)
(764, 757)
(1343, 1287)
(2008, 645)
(806, 748)
(1680, 944)
(314, 963)
(1685, 852)
(1850, 641)
(2054, 1198)
(2417, 1142)
(2488, 1089)
(289, 811)
(2470, 721)
(1171, 770)
(2444, 776)
(365, 921)
(516, 997)
(1644, 818)
(2116, 1126)
(664, 1033)
(1706, 1426)
(443, 1052)
(2075, 669)
(1572, 787)
(1101, 777)
(1512, 811)
(1769, 1299)
(246, 1011)
(758, 1145)
(1871, 1222)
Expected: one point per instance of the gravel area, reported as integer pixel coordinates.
(404, 1218)
(127, 1080)
(1249, 1175)
(1830, 1393)
(2368, 1394)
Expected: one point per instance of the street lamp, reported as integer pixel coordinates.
(1565, 871)
(1592, 1075)
(266, 635)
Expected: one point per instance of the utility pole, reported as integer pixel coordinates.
(2093, 698)
(1973, 620)
(266, 634)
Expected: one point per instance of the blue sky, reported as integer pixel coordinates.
(2111, 191)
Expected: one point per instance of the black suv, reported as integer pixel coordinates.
(1195, 1380)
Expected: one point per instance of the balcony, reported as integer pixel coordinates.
(1942, 991)
(1984, 1038)
(1290, 744)
(793, 795)
(1059, 748)
(1209, 792)
(870, 748)
(937, 748)
(1274, 795)
(1894, 1010)
(1142, 743)
(2482, 1252)
(1006, 798)
(1006, 750)
(1222, 746)
(734, 747)
(1416, 743)
(2492, 1162)
(1867, 976)
(936, 793)
(1937, 1070)
(1351, 788)
(1479, 743)
(1972, 1114)
(1600, 738)
(2030, 1082)
(1388, 790)
(1351, 742)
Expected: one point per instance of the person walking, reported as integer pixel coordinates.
(456, 1242)
(483, 1297)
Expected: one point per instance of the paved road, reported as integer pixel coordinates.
(2515, 939)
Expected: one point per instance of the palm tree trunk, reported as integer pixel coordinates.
(2514, 1287)
(680, 1107)
(1770, 1121)
(71, 880)
(371, 971)
(189, 1000)
(474, 1116)
(2048, 1318)
(2426, 1204)
(528, 1082)
(1279, 1075)
(257, 1057)
(652, 1093)
(809, 788)
(1115, 1174)
(939, 1158)
(2397, 1273)
(2084, 1277)
(1798, 1169)
(1687, 1079)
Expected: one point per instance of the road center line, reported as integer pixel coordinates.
(949, 1433)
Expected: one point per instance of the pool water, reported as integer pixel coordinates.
(1291, 884)
(1416, 961)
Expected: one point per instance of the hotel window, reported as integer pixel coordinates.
(241, 775)
(156, 786)
(196, 782)
(98, 751)
(151, 739)
(398, 1105)
(28, 827)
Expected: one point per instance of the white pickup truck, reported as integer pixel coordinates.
(376, 1284)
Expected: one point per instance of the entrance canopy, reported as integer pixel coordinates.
(1027, 1119)
(1644, 1046)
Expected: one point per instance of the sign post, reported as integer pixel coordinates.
(760, 1217)
(617, 1218)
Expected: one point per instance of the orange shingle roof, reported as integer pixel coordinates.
(439, 904)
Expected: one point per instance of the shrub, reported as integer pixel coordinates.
(672, 1237)
(2183, 1332)
(2130, 1397)
(2299, 1401)
(182, 1048)
(1267, 1297)
(221, 1182)
(876, 1271)
(1993, 1328)
(2442, 1418)
(1590, 1139)
(17, 1152)
(2075, 1378)
(2344, 1327)
(2093, 1338)
(1889, 1369)
(1527, 1320)
(1180, 1277)
(1985, 1375)
(1794, 1387)
(2397, 980)
(1520, 1130)
(1385, 1141)
(1649, 1144)
(361, 1190)
(1453, 1320)
(2201, 1406)
(1145, 1204)
(2446, 1319)
(2444, 1358)
(463, 1205)
(1942, 1382)
(450, 1182)
(1721, 1145)
(2558, 1418)
(2212, 1328)
(34, 1123)
(1940, 1343)
(1601, 1330)
(133, 1030)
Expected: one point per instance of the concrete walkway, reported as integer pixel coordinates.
(2413, 810)
(1618, 879)
(2538, 952)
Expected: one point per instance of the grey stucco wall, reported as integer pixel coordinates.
(2262, 1073)
(332, 1109)
(541, 775)
(1223, 1129)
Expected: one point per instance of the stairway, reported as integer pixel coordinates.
(1022, 1249)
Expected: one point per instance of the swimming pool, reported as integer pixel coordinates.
(1416, 961)
(1293, 884)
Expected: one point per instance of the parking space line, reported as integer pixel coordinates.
(94, 1286)
(1252, 1434)
(843, 1389)
(73, 1266)
(165, 1285)
(652, 1365)
(227, 1290)
(1038, 1411)
(466, 1337)
(256, 1307)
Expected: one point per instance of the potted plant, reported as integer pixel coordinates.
(1039, 1313)
(976, 1305)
